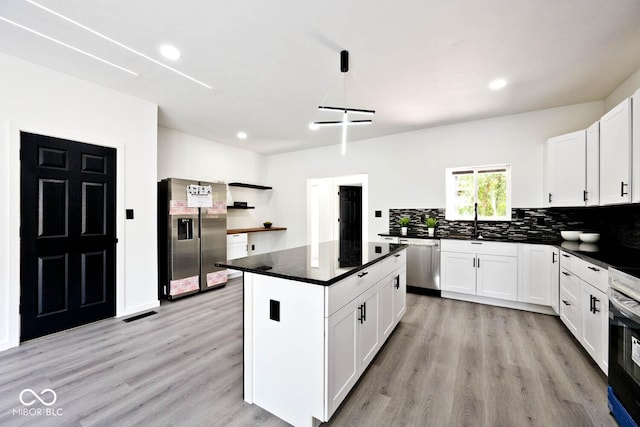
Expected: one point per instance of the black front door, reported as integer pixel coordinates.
(68, 234)
(350, 226)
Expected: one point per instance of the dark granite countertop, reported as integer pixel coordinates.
(603, 255)
(317, 264)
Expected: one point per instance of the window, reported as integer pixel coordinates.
(489, 186)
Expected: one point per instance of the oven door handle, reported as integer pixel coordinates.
(626, 311)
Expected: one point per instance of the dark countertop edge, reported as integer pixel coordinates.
(313, 281)
(585, 257)
(555, 243)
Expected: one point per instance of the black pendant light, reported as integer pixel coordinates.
(345, 122)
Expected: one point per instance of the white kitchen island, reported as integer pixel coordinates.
(312, 326)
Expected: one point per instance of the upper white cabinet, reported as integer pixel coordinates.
(592, 195)
(566, 169)
(615, 155)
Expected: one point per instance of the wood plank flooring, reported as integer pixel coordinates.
(449, 363)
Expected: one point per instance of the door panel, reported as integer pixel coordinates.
(350, 226)
(67, 246)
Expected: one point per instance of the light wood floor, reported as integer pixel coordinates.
(448, 363)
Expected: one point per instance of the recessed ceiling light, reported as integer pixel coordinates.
(242, 135)
(170, 52)
(497, 84)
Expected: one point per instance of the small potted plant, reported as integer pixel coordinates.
(431, 225)
(404, 224)
(267, 224)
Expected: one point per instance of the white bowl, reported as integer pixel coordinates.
(570, 235)
(589, 237)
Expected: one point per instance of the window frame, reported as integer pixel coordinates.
(450, 188)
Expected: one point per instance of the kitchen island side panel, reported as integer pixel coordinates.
(284, 347)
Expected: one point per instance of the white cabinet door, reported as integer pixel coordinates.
(497, 276)
(399, 295)
(342, 363)
(593, 165)
(555, 279)
(387, 311)
(615, 155)
(368, 332)
(594, 327)
(458, 272)
(536, 264)
(635, 147)
(566, 169)
(602, 304)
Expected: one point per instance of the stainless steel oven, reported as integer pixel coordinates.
(624, 345)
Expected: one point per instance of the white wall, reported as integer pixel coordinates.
(625, 90)
(42, 101)
(181, 155)
(407, 170)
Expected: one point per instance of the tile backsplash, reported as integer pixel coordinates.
(618, 225)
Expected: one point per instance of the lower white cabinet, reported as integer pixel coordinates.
(584, 306)
(458, 272)
(594, 307)
(497, 276)
(356, 332)
(570, 302)
(399, 280)
(488, 269)
(539, 275)
(237, 247)
(342, 357)
(302, 358)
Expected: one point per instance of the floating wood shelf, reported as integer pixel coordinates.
(254, 230)
(254, 186)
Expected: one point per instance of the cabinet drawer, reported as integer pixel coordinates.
(569, 261)
(569, 283)
(343, 292)
(395, 261)
(390, 239)
(236, 238)
(570, 312)
(594, 275)
(479, 247)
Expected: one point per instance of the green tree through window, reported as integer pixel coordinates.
(487, 185)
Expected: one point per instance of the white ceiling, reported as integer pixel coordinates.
(418, 63)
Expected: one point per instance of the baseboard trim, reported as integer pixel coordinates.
(138, 308)
(517, 305)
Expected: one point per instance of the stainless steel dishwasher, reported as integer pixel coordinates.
(423, 265)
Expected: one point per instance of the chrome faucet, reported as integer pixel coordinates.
(475, 220)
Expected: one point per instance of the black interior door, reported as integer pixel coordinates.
(350, 226)
(68, 234)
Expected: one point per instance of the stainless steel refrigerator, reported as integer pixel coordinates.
(192, 236)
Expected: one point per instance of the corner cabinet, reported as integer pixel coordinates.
(615, 155)
(539, 269)
(566, 169)
(302, 358)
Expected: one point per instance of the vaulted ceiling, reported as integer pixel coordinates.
(418, 63)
